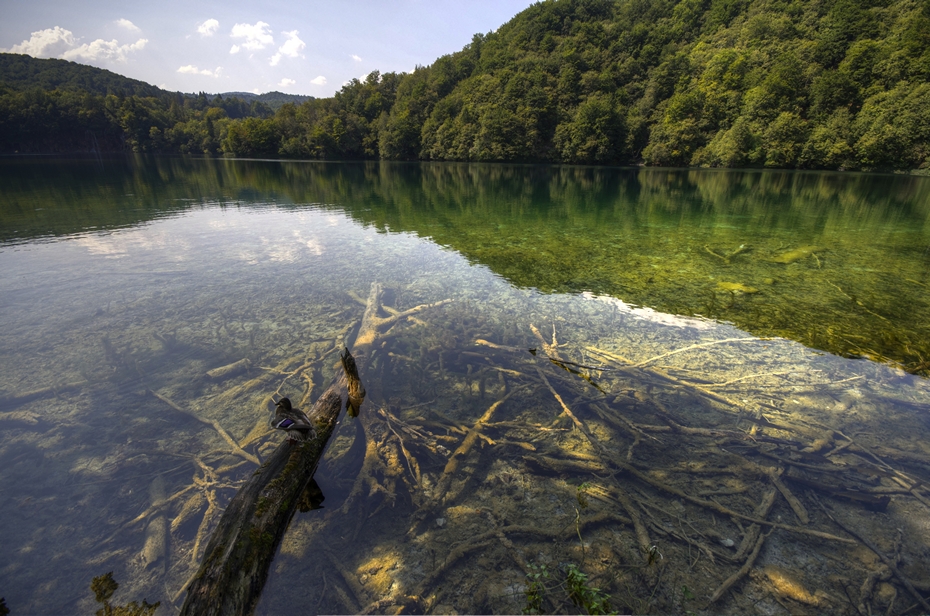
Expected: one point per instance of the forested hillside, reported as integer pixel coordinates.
(273, 99)
(778, 83)
(56, 106)
(21, 72)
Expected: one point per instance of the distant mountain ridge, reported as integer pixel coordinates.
(22, 72)
(273, 99)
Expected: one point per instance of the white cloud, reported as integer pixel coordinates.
(356, 58)
(286, 82)
(125, 23)
(256, 91)
(319, 81)
(208, 27)
(100, 50)
(234, 49)
(190, 69)
(60, 43)
(45, 43)
(362, 78)
(292, 46)
(256, 37)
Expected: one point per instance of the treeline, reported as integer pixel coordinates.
(731, 83)
(273, 99)
(52, 106)
(778, 83)
(60, 121)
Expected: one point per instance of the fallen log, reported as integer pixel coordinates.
(237, 558)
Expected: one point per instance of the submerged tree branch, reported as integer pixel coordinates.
(240, 551)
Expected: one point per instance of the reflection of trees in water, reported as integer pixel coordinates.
(638, 234)
(92, 193)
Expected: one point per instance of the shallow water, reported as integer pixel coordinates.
(125, 281)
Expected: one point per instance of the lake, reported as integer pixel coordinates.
(655, 390)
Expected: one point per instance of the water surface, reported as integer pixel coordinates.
(741, 298)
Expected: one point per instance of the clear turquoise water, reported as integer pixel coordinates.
(121, 278)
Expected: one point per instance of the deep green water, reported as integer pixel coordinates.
(122, 277)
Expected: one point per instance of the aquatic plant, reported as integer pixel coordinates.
(535, 588)
(574, 586)
(591, 599)
(104, 586)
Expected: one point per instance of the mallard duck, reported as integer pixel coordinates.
(293, 421)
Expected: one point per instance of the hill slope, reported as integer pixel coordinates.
(20, 72)
(273, 99)
(732, 83)
(781, 83)
(56, 106)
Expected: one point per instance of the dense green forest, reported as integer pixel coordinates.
(56, 106)
(20, 72)
(730, 83)
(275, 100)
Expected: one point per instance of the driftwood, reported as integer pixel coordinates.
(18, 399)
(240, 551)
(237, 558)
(224, 372)
(371, 333)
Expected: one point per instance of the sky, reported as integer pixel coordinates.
(310, 47)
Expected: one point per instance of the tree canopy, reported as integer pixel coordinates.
(728, 83)
(21, 72)
(55, 106)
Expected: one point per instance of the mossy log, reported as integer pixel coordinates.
(240, 551)
(237, 558)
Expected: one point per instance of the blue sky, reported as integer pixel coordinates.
(311, 47)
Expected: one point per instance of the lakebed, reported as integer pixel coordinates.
(555, 417)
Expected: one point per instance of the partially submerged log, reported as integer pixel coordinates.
(236, 560)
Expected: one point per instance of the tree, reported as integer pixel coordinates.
(595, 134)
(251, 137)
